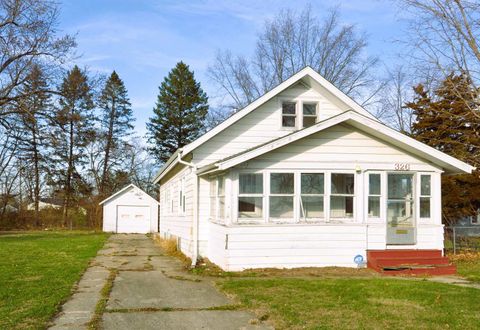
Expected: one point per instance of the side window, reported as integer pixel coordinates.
(221, 197)
(374, 194)
(309, 114)
(425, 195)
(289, 114)
(250, 196)
(181, 196)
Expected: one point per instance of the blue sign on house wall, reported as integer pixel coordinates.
(358, 259)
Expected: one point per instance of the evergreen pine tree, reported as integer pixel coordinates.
(32, 114)
(73, 130)
(179, 113)
(116, 122)
(445, 122)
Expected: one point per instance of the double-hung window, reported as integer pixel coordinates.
(250, 196)
(311, 197)
(289, 114)
(374, 194)
(213, 198)
(281, 195)
(309, 114)
(425, 195)
(181, 197)
(341, 195)
(221, 197)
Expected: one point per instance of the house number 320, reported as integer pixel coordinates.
(402, 167)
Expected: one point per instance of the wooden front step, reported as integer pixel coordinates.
(409, 262)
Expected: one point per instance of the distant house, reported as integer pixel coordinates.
(468, 226)
(44, 203)
(304, 177)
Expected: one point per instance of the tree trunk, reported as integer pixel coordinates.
(36, 188)
(107, 149)
(68, 183)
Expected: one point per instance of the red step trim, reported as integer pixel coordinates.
(404, 253)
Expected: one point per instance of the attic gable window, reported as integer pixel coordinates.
(309, 114)
(289, 114)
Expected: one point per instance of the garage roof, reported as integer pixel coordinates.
(124, 190)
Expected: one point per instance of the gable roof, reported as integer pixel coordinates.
(306, 73)
(124, 190)
(366, 124)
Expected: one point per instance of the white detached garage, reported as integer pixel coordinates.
(130, 210)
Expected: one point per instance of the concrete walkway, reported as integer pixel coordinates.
(131, 284)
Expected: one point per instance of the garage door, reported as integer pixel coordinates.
(133, 219)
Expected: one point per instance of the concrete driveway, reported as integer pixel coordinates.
(131, 284)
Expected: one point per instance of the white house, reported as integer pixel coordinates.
(130, 210)
(45, 203)
(303, 176)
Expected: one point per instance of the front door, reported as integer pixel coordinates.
(400, 209)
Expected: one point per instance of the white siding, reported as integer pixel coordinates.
(172, 222)
(341, 146)
(261, 125)
(286, 246)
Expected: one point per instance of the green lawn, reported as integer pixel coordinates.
(355, 303)
(37, 272)
(469, 269)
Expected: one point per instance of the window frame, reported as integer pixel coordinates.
(269, 194)
(245, 220)
(379, 196)
(422, 196)
(218, 179)
(353, 195)
(294, 115)
(302, 115)
(300, 195)
(181, 197)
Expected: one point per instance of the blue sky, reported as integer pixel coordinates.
(142, 40)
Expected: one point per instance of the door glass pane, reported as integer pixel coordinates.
(425, 185)
(251, 183)
(399, 186)
(250, 207)
(281, 183)
(424, 207)
(374, 184)
(400, 213)
(281, 206)
(342, 183)
(311, 207)
(312, 183)
(374, 206)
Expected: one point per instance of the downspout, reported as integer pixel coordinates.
(195, 209)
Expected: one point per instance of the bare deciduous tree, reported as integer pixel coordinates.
(28, 30)
(444, 38)
(397, 90)
(287, 44)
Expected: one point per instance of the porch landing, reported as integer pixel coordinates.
(410, 262)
